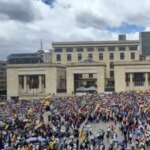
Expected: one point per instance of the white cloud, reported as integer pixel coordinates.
(24, 22)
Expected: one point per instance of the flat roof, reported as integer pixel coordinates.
(77, 43)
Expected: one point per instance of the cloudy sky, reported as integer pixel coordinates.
(23, 23)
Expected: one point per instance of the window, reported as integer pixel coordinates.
(111, 74)
(122, 48)
(138, 79)
(69, 49)
(127, 77)
(100, 56)
(33, 81)
(90, 75)
(132, 55)
(101, 49)
(58, 50)
(138, 83)
(121, 56)
(43, 80)
(80, 49)
(21, 81)
(111, 56)
(111, 65)
(69, 57)
(90, 55)
(111, 48)
(58, 57)
(79, 57)
(90, 49)
(133, 48)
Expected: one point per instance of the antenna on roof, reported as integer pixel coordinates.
(41, 44)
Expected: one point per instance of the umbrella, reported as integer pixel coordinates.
(120, 144)
(31, 139)
(138, 133)
(114, 104)
(97, 141)
(9, 121)
(88, 126)
(10, 148)
(47, 97)
(40, 139)
(26, 120)
(38, 126)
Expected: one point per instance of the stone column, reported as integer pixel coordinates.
(40, 83)
(146, 81)
(131, 81)
(25, 83)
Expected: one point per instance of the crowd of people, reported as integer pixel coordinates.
(65, 123)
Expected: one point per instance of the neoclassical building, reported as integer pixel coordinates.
(77, 67)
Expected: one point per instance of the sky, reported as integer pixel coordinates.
(24, 23)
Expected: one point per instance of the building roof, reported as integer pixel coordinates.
(91, 43)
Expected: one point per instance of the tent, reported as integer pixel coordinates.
(92, 88)
(81, 89)
(84, 89)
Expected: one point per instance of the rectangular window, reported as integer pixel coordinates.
(111, 74)
(43, 81)
(90, 49)
(58, 57)
(90, 75)
(111, 48)
(80, 49)
(69, 49)
(101, 49)
(111, 56)
(33, 81)
(90, 55)
(121, 56)
(100, 56)
(21, 81)
(133, 48)
(79, 57)
(69, 57)
(132, 55)
(58, 50)
(138, 83)
(122, 48)
(111, 65)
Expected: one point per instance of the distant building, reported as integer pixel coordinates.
(29, 58)
(107, 52)
(70, 66)
(145, 44)
(2, 79)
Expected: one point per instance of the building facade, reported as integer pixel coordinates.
(72, 66)
(132, 76)
(106, 52)
(3, 82)
(35, 80)
(145, 44)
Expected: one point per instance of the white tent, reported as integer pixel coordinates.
(92, 88)
(81, 89)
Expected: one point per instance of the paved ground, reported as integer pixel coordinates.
(101, 125)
